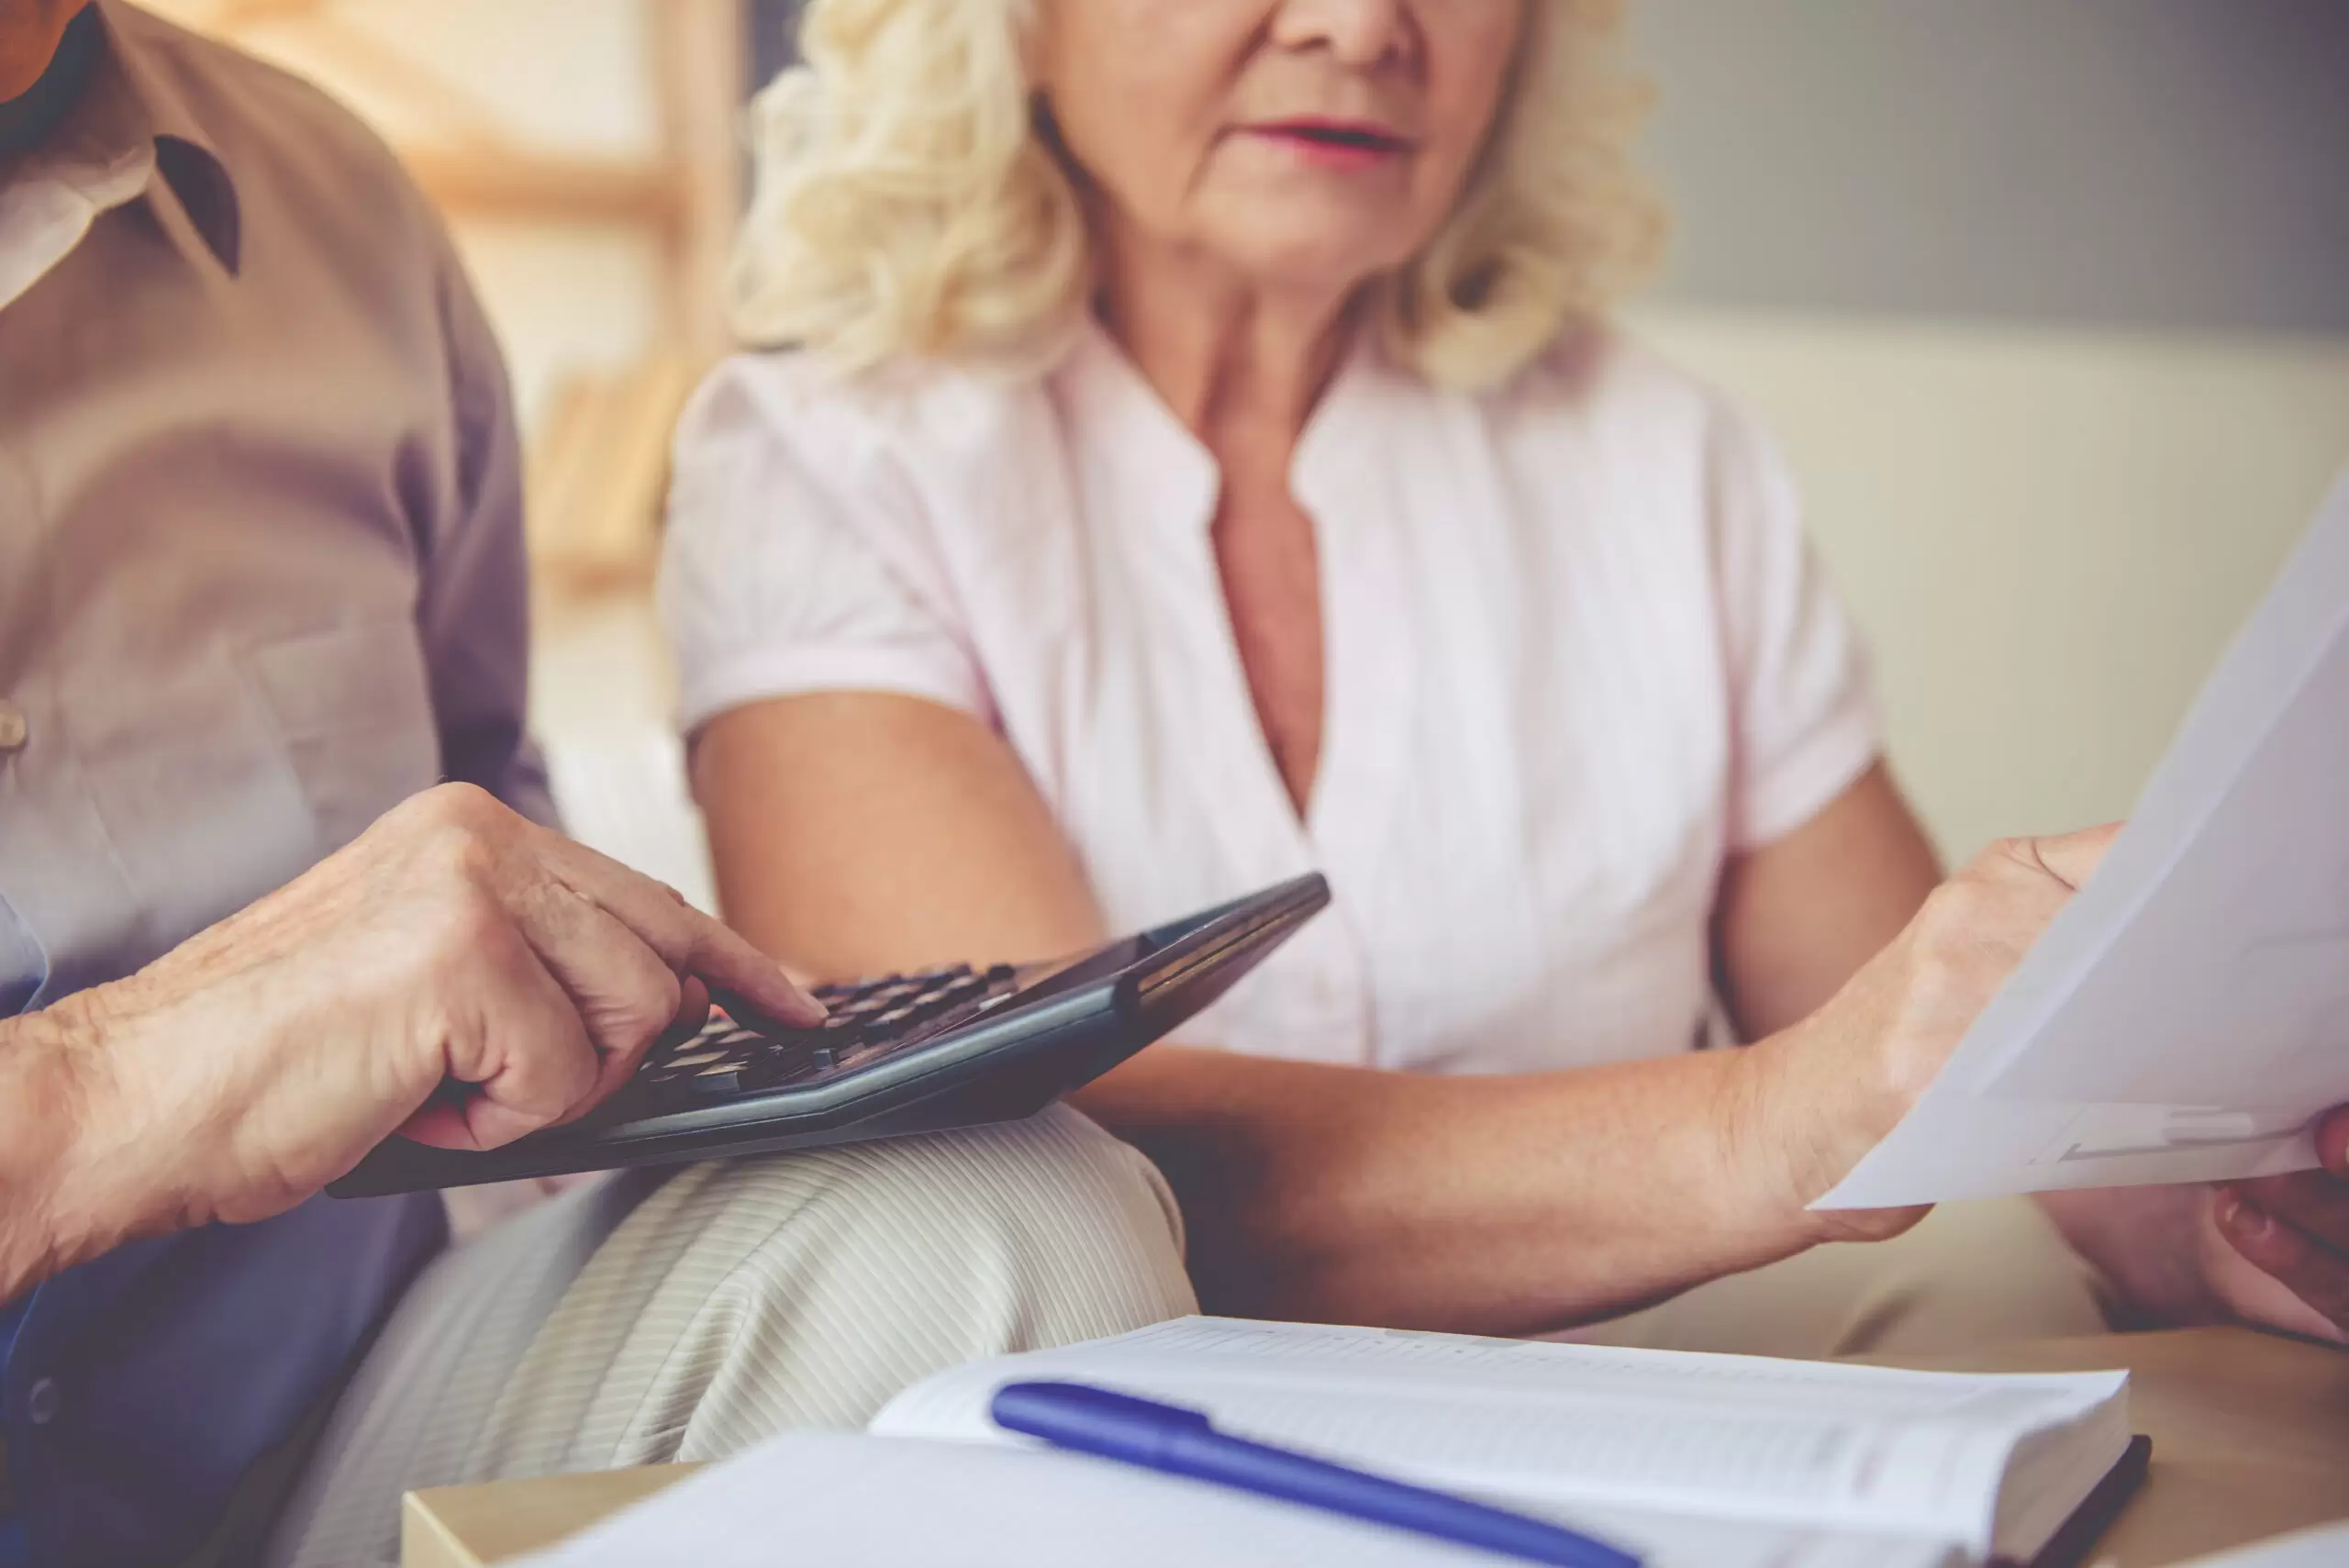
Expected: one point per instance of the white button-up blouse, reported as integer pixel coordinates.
(1577, 653)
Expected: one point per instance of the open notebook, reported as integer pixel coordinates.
(1729, 1460)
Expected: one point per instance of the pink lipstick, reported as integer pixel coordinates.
(1334, 143)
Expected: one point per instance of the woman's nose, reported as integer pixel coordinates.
(1357, 32)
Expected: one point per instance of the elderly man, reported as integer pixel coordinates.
(261, 592)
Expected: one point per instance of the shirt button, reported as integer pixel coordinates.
(43, 1401)
(12, 728)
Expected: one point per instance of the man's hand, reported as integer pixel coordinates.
(458, 973)
(2275, 1251)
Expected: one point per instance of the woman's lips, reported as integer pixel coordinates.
(1333, 143)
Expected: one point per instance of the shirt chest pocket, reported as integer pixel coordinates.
(352, 709)
(218, 773)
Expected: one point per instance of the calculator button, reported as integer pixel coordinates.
(780, 1066)
(795, 1044)
(870, 1019)
(716, 1080)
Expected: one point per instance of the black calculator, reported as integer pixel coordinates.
(955, 1046)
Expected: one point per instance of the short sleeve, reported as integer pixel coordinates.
(1804, 710)
(796, 561)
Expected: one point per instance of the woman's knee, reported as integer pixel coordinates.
(1052, 1217)
(745, 1297)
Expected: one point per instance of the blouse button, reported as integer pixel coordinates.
(43, 1401)
(13, 728)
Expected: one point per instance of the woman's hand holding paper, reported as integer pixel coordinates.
(1829, 1087)
(2273, 1252)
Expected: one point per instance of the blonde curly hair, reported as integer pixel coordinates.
(911, 202)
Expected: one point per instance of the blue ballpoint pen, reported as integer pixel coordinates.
(1178, 1442)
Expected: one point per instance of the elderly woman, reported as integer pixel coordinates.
(1199, 456)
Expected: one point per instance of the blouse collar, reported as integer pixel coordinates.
(1118, 414)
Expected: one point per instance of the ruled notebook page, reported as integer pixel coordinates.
(1532, 1421)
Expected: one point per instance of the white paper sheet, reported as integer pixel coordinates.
(824, 1499)
(2186, 1017)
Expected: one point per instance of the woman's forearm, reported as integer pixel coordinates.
(1492, 1204)
(1497, 1204)
(1501, 1203)
(1509, 1205)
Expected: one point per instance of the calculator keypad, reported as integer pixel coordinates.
(870, 1019)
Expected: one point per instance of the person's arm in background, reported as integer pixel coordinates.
(473, 614)
(2273, 1251)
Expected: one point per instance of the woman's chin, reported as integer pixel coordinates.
(1321, 263)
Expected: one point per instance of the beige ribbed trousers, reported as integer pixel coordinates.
(645, 1319)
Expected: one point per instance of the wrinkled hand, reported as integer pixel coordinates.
(457, 974)
(1827, 1090)
(2275, 1251)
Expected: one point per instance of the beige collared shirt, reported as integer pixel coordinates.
(260, 577)
(49, 202)
(260, 570)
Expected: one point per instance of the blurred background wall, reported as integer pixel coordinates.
(2048, 305)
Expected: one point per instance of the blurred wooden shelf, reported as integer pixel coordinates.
(461, 140)
(513, 185)
(598, 475)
